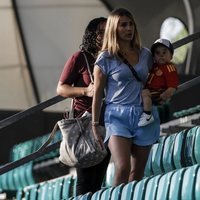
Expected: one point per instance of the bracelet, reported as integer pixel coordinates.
(95, 123)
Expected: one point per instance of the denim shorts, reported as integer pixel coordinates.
(122, 120)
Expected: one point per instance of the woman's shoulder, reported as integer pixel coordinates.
(77, 54)
(104, 54)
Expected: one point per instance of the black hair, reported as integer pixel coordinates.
(90, 35)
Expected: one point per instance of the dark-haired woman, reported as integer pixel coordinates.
(75, 82)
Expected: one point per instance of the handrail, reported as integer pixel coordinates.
(12, 165)
(186, 40)
(23, 114)
(188, 84)
(56, 99)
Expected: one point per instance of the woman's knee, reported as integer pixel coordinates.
(122, 168)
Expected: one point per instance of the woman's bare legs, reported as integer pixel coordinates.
(138, 161)
(120, 149)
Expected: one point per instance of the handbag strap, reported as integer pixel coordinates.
(88, 67)
(130, 67)
(49, 139)
(71, 113)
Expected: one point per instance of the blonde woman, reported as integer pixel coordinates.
(121, 51)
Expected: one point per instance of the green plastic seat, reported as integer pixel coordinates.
(117, 192)
(4, 181)
(148, 168)
(19, 194)
(197, 185)
(163, 186)
(197, 146)
(157, 165)
(67, 187)
(57, 192)
(97, 195)
(86, 196)
(176, 184)
(189, 147)
(188, 184)
(107, 193)
(29, 173)
(43, 191)
(20, 175)
(178, 149)
(127, 191)
(10, 181)
(74, 186)
(31, 193)
(140, 189)
(152, 187)
(167, 157)
(51, 186)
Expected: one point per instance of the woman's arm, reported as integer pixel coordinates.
(66, 90)
(99, 84)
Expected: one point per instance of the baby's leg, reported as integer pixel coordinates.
(146, 117)
(147, 102)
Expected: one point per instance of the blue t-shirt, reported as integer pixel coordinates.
(122, 87)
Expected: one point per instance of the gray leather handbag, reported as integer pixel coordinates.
(79, 147)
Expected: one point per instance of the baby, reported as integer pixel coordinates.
(162, 80)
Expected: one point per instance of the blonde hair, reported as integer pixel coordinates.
(110, 40)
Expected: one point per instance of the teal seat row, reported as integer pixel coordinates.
(25, 148)
(181, 184)
(186, 112)
(17, 178)
(59, 188)
(23, 176)
(174, 152)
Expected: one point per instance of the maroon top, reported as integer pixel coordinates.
(75, 73)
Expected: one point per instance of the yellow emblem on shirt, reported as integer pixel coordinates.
(159, 72)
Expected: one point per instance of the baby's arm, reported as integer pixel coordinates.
(167, 94)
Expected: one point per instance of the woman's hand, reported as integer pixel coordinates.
(89, 90)
(98, 136)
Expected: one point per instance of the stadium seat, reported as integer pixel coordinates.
(156, 159)
(189, 146)
(43, 191)
(176, 184)
(31, 192)
(188, 183)
(117, 192)
(67, 187)
(97, 195)
(58, 186)
(197, 146)
(178, 149)
(107, 193)
(127, 191)
(163, 186)
(86, 196)
(197, 185)
(152, 187)
(148, 168)
(140, 189)
(167, 155)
